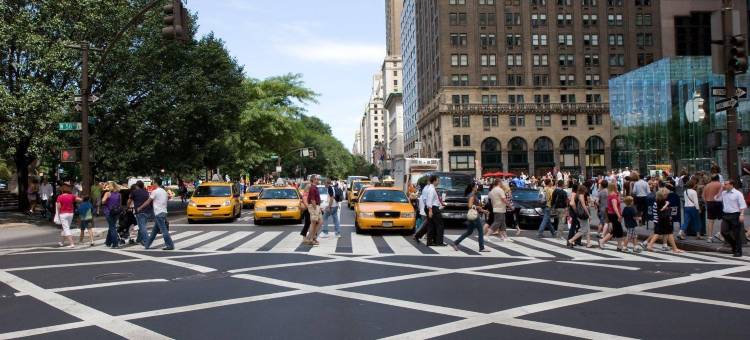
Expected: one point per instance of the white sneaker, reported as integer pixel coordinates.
(324, 235)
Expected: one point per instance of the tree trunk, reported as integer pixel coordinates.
(22, 173)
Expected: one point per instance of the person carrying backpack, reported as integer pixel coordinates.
(560, 204)
(332, 210)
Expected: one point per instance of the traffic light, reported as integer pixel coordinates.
(68, 155)
(176, 20)
(738, 54)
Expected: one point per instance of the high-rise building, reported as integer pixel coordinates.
(374, 122)
(393, 27)
(522, 85)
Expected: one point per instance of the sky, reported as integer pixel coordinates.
(337, 46)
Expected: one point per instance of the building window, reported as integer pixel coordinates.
(538, 2)
(460, 80)
(594, 118)
(565, 2)
(460, 99)
(515, 98)
(614, 3)
(461, 161)
(465, 121)
(616, 60)
(517, 120)
(489, 99)
(567, 98)
(616, 40)
(543, 119)
(644, 39)
(540, 59)
(457, 19)
(614, 19)
(458, 39)
(591, 60)
(488, 60)
(487, 40)
(588, 2)
(541, 98)
(486, 2)
(643, 20)
(512, 2)
(590, 40)
(515, 79)
(486, 19)
(489, 80)
(568, 120)
(567, 79)
(541, 79)
(466, 140)
(514, 60)
(512, 40)
(511, 19)
(538, 19)
(456, 121)
(590, 20)
(643, 2)
(457, 2)
(539, 39)
(567, 60)
(594, 98)
(489, 121)
(565, 39)
(457, 140)
(645, 58)
(593, 80)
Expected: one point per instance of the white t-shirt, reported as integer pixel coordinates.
(46, 191)
(496, 196)
(159, 198)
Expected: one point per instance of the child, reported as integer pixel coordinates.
(86, 214)
(629, 214)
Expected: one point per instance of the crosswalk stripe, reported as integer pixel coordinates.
(159, 241)
(327, 245)
(257, 242)
(465, 247)
(592, 251)
(517, 247)
(665, 256)
(290, 242)
(400, 245)
(560, 250)
(195, 240)
(471, 244)
(224, 241)
(363, 245)
(447, 251)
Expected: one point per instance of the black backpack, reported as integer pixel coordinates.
(339, 194)
(560, 199)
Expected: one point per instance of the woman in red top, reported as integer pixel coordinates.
(313, 207)
(65, 205)
(614, 214)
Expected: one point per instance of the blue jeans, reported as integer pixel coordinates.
(470, 227)
(692, 219)
(141, 219)
(113, 240)
(160, 226)
(332, 212)
(546, 223)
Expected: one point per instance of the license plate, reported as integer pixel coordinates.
(276, 215)
(387, 224)
(208, 214)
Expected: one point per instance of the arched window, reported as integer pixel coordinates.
(544, 155)
(491, 156)
(518, 155)
(594, 156)
(569, 157)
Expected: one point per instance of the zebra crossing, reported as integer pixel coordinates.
(358, 244)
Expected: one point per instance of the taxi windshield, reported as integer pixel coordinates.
(358, 185)
(213, 191)
(391, 196)
(255, 188)
(279, 194)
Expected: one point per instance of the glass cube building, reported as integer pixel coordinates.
(655, 126)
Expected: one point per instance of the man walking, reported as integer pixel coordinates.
(313, 207)
(137, 198)
(546, 220)
(733, 215)
(46, 193)
(158, 199)
(499, 207)
(434, 218)
(714, 207)
(640, 192)
(560, 204)
(332, 209)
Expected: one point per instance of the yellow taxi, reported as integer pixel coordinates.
(215, 201)
(384, 208)
(278, 203)
(252, 193)
(353, 193)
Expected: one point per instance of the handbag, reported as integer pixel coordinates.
(57, 217)
(472, 215)
(581, 211)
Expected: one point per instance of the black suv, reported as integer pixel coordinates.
(453, 185)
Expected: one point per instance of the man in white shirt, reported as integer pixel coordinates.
(158, 198)
(46, 193)
(499, 207)
(640, 192)
(733, 215)
(432, 204)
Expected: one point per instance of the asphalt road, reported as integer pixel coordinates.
(237, 280)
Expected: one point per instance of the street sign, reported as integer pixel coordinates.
(70, 126)
(68, 156)
(741, 92)
(725, 104)
(278, 169)
(92, 99)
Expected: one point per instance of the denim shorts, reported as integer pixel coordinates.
(631, 233)
(86, 224)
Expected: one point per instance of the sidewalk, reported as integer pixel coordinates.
(692, 244)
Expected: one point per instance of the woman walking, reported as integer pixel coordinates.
(112, 208)
(473, 218)
(602, 195)
(663, 222)
(614, 215)
(580, 204)
(692, 215)
(65, 207)
(32, 195)
(86, 214)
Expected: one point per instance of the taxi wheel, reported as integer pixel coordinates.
(357, 228)
(191, 221)
(257, 222)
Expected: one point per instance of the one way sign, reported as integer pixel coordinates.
(725, 104)
(740, 92)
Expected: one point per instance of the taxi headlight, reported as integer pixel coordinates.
(260, 208)
(407, 215)
(366, 214)
(193, 204)
(227, 203)
(292, 208)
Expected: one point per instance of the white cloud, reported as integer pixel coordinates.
(335, 52)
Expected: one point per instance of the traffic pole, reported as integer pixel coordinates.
(727, 30)
(85, 92)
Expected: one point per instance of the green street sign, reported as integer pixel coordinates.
(69, 126)
(92, 120)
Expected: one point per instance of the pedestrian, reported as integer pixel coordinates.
(614, 215)
(421, 225)
(474, 219)
(158, 199)
(86, 215)
(714, 208)
(432, 206)
(692, 214)
(96, 198)
(580, 204)
(183, 190)
(64, 208)
(45, 194)
(510, 215)
(112, 210)
(32, 195)
(139, 196)
(663, 227)
(546, 219)
(629, 214)
(639, 193)
(733, 214)
(313, 207)
(305, 214)
(331, 210)
(499, 208)
(560, 204)
(572, 219)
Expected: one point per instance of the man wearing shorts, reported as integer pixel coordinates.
(499, 206)
(713, 207)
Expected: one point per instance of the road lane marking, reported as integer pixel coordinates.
(288, 244)
(198, 239)
(159, 241)
(224, 241)
(362, 244)
(257, 242)
(195, 267)
(400, 245)
(327, 245)
(98, 285)
(601, 265)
